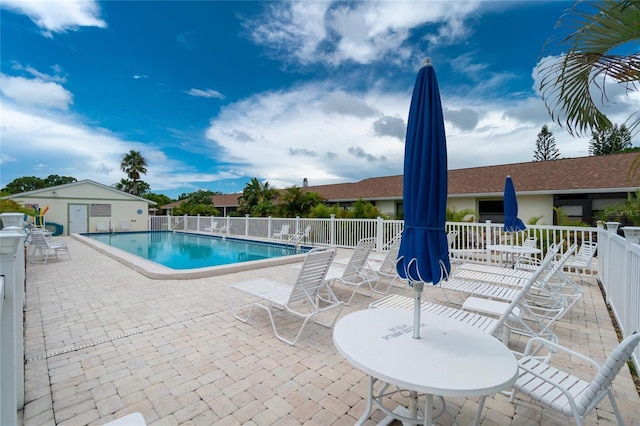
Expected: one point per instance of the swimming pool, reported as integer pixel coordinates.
(170, 254)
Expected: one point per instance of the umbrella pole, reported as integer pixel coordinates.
(417, 287)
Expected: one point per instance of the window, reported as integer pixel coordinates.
(492, 210)
(100, 210)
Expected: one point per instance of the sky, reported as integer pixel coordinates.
(214, 93)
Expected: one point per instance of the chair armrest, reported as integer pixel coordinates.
(553, 347)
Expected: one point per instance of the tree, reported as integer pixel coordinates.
(295, 201)
(30, 183)
(546, 146)
(590, 59)
(134, 165)
(199, 203)
(55, 180)
(159, 199)
(257, 199)
(609, 140)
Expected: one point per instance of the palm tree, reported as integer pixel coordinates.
(590, 60)
(257, 198)
(134, 165)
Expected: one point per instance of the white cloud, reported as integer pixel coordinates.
(206, 93)
(35, 92)
(362, 32)
(286, 136)
(58, 143)
(60, 15)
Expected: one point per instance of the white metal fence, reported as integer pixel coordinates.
(617, 263)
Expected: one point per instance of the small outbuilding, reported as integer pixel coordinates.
(86, 206)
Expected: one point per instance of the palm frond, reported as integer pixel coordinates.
(589, 62)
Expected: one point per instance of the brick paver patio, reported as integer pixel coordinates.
(103, 341)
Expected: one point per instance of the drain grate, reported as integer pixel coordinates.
(141, 330)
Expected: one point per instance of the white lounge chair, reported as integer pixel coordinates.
(357, 272)
(387, 268)
(44, 245)
(503, 285)
(583, 259)
(565, 392)
(307, 297)
(125, 226)
(511, 318)
(284, 231)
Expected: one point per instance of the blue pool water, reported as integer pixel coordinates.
(178, 250)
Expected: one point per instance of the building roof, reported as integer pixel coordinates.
(36, 192)
(605, 173)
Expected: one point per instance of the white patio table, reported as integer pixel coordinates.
(450, 359)
(513, 250)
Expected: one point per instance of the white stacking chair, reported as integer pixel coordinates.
(566, 392)
(284, 231)
(307, 297)
(102, 227)
(44, 245)
(212, 228)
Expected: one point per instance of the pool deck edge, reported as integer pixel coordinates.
(158, 272)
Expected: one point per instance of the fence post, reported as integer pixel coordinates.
(379, 234)
(487, 239)
(12, 326)
(332, 230)
(269, 226)
(198, 223)
(246, 225)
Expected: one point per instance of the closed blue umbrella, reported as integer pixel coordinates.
(511, 221)
(424, 251)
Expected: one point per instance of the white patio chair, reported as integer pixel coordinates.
(583, 259)
(44, 245)
(565, 392)
(307, 297)
(102, 227)
(284, 231)
(357, 272)
(125, 226)
(470, 247)
(212, 228)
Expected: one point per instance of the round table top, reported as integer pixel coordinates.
(450, 358)
(514, 249)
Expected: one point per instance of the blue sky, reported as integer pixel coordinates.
(213, 93)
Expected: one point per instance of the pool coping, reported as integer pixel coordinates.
(159, 272)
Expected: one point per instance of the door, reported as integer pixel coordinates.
(78, 218)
